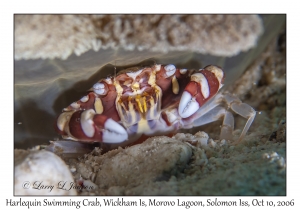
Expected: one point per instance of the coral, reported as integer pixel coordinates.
(58, 36)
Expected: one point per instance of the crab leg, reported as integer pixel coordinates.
(212, 111)
(247, 112)
(241, 109)
(214, 115)
(227, 126)
(211, 116)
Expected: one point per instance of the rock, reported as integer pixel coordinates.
(39, 173)
(156, 159)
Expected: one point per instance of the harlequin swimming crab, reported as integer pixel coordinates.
(152, 101)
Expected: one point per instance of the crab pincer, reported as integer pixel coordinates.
(91, 127)
(203, 85)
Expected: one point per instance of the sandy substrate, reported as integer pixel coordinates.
(191, 163)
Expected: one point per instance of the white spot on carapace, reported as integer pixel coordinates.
(108, 81)
(170, 70)
(98, 106)
(75, 105)
(183, 71)
(84, 99)
(134, 74)
(87, 124)
(99, 88)
(201, 79)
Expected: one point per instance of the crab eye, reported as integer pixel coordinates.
(170, 70)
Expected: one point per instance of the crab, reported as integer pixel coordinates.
(149, 101)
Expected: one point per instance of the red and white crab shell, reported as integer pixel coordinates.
(151, 101)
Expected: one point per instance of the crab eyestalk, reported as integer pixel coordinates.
(203, 85)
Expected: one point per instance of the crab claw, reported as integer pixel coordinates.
(91, 127)
(112, 132)
(187, 105)
(203, 85)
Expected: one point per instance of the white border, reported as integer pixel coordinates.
(129, 6)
